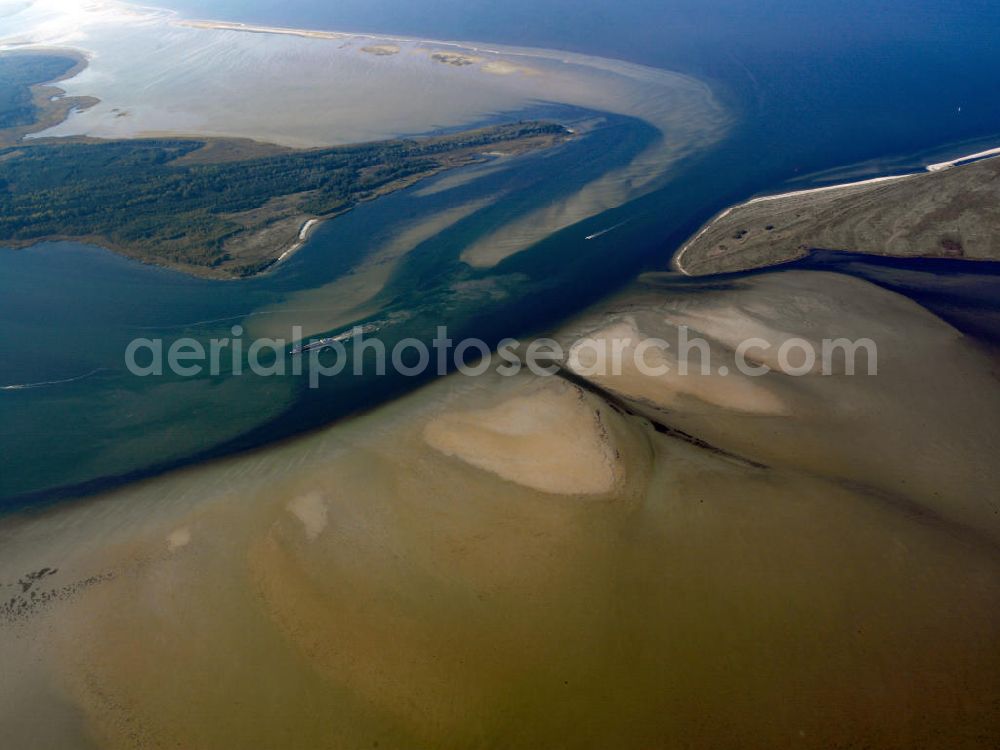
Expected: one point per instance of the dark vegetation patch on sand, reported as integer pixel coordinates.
(31, 596)
(454, 58)
(381, 50)
(28, 103)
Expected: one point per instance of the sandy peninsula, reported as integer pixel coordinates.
(256, 29)
(949, 211)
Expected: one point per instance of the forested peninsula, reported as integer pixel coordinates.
(222, 208)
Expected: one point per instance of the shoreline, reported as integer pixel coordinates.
(520, 138)
(250, 28)
(962, 160)
(640, 94)
(676, 262)
(53, 106)
(304, 233)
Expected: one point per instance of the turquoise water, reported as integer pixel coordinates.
(815, 88)
(73, 414)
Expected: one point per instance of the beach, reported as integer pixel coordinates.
(307, 227)
(882, 216)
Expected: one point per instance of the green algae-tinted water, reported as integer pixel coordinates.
(73, 414)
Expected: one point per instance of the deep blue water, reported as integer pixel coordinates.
(821, 83)
(817, 86)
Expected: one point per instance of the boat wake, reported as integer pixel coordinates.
(595, 235)
(27, 386)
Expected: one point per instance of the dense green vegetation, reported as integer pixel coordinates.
(18, 73)
(143, 198)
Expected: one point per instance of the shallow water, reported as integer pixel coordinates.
(378, 583)
(97, 303)
(415, 577)
(69, 310)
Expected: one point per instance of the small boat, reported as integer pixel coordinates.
(330, 340)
